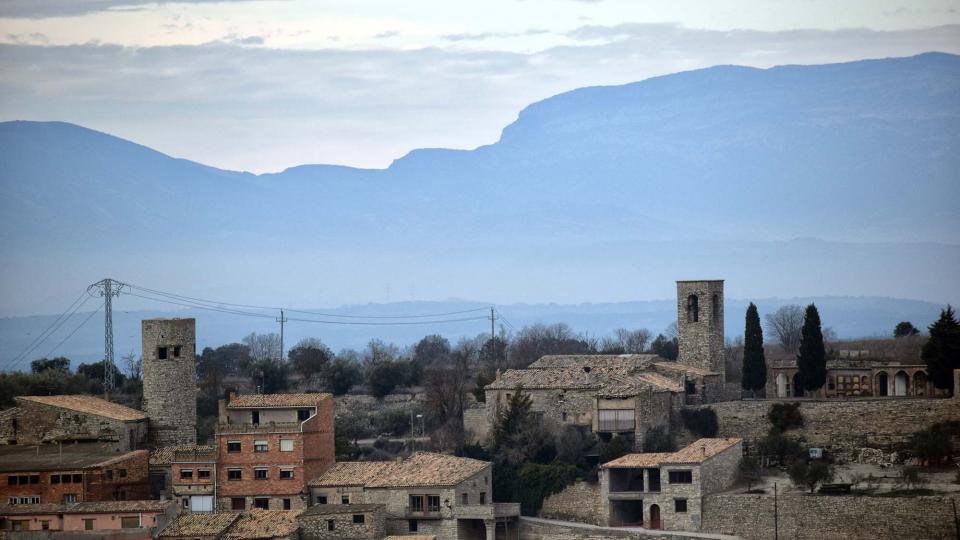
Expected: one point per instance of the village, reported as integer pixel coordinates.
(599, 444)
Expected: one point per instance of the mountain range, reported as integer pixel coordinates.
(815, 180)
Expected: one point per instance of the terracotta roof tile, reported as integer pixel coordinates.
(194, 525)
(412, 537)
(189, 453)
(257, 524)
(635, 361)
(353, 473)
(101, 507)
(677, 367)
(276, 400)
(697, 452)
(89, 405)
(420, 469)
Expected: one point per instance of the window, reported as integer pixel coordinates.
(176, 351)
(35, 499)
(78, 478)
(186, 502)
(616, 420)
(238, 503)
(464, 498)
(12, 500)
(45, 525)
(233, 446)
(129, 522)
(65, 478)
(203, 473)
(286, 474)
(11, 480)
(693, 308)
(563, 416)
(345, 499)
(286, 504)
(433, 503)
(255, 417)
(109, 474)
(681, 477)
(34, 478)
(321, 499)
(303, 414)
(331, 525)
(716, 309)
(70, 497)
(286, 445)
(358, 519)
(120, 495)
(412, 525)
(680, 505)
(122, 473)
(54, 478)
(262, 503)
(260, 446)
(162, 353)
(483, 498)
(24, 500)
(88, 524)
(24, 480)
(234, 474)
(20, 525)
(186, 474)
(260, 474)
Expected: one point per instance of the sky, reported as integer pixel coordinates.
(265, 85)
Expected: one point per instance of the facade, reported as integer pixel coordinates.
(857, 377)
(700, 324)
(72, 418)
(343, 521)
(138, 519)
(665, 490)
(170, 380)
(426, 493)
(268, 445)
(187, 474)
(71, 473)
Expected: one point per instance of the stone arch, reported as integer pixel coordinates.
(693, 308)
(655, 516)
(901, 383)
(883, 384)
(715, 308)
(920, 383)
(782, 384)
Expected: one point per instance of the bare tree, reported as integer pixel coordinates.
(263, 346)
(134, 364)
(633, 341)
(786, 324)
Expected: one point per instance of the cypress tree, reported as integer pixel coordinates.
(942, 351)
(754, 363)
(812, 360)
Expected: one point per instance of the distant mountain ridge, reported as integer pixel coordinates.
(654, 175)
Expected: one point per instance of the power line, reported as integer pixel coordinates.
(52, 329)
(70, 335)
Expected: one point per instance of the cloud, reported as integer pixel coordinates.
(261, 108)
(245, 40)
(39, 9)
(387, 34)
(480, 36)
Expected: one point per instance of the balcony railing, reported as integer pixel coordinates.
(422, 512)
(268, 427)
(616, 425)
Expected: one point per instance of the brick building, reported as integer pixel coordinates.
(665, 490)
(72, 418)
(268, 445)
(72, 473)
(447, 496)
(136, 519)
(187, 474)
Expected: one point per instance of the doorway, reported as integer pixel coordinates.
(654, 516)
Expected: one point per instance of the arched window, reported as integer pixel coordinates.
(693, 308)
(716, 309)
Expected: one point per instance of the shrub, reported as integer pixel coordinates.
(702, 422)
(809, 474)
(749, 471)
(658, 439)
(910, 477)
(538, 481)
(783, 449)
(616, 447)
(785, 416)
(932, 444)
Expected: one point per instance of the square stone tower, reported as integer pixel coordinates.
(170, 380)
(700, 324)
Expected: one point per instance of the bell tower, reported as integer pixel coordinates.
(700, 324)
(170, 380)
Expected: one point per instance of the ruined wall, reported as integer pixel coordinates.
(843, 426)
(579, 502)
(317, 527)
(821, 517)
(170, 384)
(535, 529)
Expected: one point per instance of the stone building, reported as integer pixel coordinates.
(251, 525)
(72, 418)
(170, 380)
(268, 445)
(665, 490)
(700, 324)
(856, 377)
(343, 521)
(135, 519)
(187, 474)
(68, 473)
(427, 493)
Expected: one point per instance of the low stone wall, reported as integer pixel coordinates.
(579, 502)
(822, 517)
(539, 529)
(841, 425)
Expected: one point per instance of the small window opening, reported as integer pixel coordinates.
(162, 353)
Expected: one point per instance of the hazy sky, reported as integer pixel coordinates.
(264, 85)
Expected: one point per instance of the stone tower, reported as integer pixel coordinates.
(170, 380)
(700, 324)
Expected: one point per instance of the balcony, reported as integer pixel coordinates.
(486, 511)
(422, 512)
(270, 427)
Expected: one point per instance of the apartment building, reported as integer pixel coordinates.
(128, 520)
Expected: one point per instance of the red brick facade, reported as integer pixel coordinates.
(122, 478)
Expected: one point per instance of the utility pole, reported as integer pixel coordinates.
(107, 288)
(776, 520)
(493, 318)
(281, 320)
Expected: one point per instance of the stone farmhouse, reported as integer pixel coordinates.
(427, 493)
(857, 377)
(134, 520)
(73, 419)
(628, 394)
(665, 490)
(343, 521)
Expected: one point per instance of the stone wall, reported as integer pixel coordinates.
(170, 384)
(318, 527)
(821, 517)
(35, 423)
(579, 502)
(843, 426)
(538, 529)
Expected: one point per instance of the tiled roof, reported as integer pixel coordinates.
(194, 525)
(412, 537)
(677, 367)
(698, 452)
(189, 453)
(101, 507)
(276, 400)
(552, 361)
(332, 509)
(420, 469)
(575, 378)
(257, 524)
(353, 473)
(59, 457)
(89, 405)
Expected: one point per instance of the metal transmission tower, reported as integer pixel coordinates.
(107, 288)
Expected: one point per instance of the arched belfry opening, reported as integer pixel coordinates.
(693, 308)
